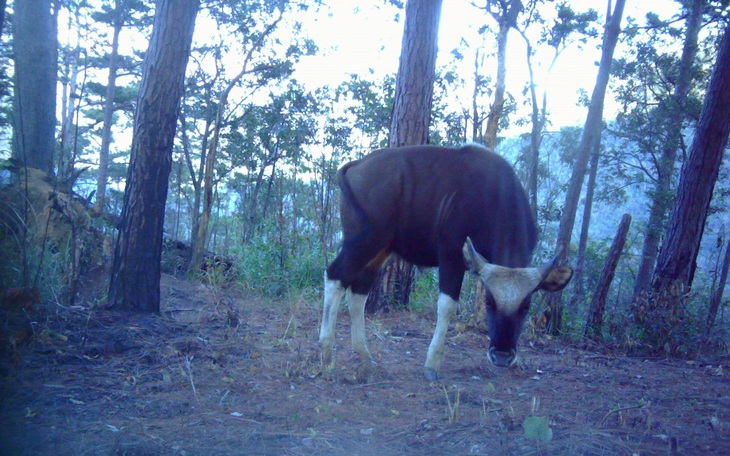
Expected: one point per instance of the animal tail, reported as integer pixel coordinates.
(349, 200)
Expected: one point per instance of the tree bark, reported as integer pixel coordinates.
(69, 98)
(662, 198)
(410, 125)
(135, 279)
(591, 129)
(200, 236)
(506, 20)
(598, 303)
(3, 4)
(106, 132)
(35, 44)
(717, 293)
(580, 264)
(678, 255)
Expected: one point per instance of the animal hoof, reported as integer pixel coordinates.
(364, 372)
(328, 363)
(431, 374)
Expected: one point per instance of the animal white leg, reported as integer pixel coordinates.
(359, 343)
(357, 319)
(333, 293)
(435, 355)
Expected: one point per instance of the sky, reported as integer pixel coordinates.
(360, 37)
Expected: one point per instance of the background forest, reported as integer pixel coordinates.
(261, 132)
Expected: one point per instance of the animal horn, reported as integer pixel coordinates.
(546, 267)
(474, 261)
(470, 245)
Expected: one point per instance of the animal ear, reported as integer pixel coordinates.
(474, 262)
(556, 279)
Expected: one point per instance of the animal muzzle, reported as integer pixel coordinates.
(502, 358)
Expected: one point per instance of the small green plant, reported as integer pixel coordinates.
(424, 293)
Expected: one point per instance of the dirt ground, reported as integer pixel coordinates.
(220, 373)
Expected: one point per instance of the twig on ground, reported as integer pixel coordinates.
(287, 328)
(452, 407)
(621, 409)
(190, 375)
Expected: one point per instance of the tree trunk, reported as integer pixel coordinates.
(538, 118)
(591, 129)
(717, 293)
(506, 21)
(476, 128)
(35, 45)
(196, 181)
(662, 197)
(201, 233)
(135, 279)
(580, 264)
(69, 97)
(3, 4)
(678, 256)
(409, 125)
(598, 303)
(106, 132)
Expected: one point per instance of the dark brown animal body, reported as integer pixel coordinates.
(423, 202)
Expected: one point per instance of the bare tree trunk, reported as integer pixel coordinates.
(662, 198)
(598, 304)
(717, 293)
(506, 21)
(3, 4)
(678, 256)
(476, 128)
(591, 129)
(409, 125)
(69, 95)
(196, 181)
(135, 278)
(201, 235)
(538, 118)
(35, 45)
(580, 264)
(106, 132)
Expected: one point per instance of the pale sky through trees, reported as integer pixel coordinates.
(364, 38)
(357, 38)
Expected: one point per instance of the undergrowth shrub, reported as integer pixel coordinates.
(668, 323)
(273, 270)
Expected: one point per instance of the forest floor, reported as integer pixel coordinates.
(221, 373)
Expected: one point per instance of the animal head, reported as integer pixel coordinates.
(508, 298)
